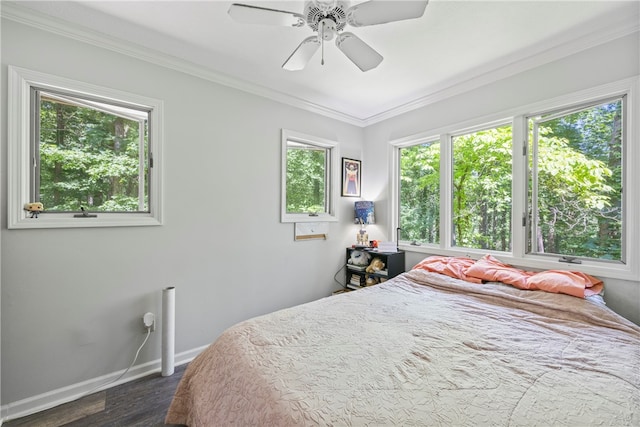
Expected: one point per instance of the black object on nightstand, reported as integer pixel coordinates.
(356, 274)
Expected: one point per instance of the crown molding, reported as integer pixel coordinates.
(572, 42)
(23, 15)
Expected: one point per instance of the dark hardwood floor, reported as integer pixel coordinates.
(143, 402)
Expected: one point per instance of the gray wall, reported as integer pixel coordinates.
(603, 64)
(73, 299)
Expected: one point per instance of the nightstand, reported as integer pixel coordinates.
(356, 275)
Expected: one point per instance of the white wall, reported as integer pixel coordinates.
(73, 299)
(607, 63)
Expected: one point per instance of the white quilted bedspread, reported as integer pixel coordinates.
(420, 350)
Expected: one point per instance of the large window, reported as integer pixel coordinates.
(420, 193)
(90, 155)
(308, 169)
(575, 187)
(481, 201)
(552, 187)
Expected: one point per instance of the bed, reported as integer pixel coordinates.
(421, 349)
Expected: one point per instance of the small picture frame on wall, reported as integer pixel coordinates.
(351, 177)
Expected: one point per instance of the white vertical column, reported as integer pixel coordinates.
(168, 330)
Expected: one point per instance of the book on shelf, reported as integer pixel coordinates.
(356, 267)
(357, 280)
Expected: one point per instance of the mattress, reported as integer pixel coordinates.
(420, 349)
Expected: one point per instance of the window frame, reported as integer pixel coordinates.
(428, 140)
(19, 152)
(518, 117)
(532, 220)
(450, 136)
(331, 184)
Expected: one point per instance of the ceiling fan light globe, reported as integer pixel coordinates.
(327, 29)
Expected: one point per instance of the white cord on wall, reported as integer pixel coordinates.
(125, 371)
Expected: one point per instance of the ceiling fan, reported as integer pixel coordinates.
(328, 18)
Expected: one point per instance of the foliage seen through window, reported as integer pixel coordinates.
(92, 154)
(306, 178)
(576, 186)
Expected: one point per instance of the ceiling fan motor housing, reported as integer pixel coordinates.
(315, 15)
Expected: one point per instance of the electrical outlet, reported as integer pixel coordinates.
(149, 322)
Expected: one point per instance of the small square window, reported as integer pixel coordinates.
(89, 155)
(308, 185)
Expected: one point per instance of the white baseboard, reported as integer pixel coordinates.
(41, 402)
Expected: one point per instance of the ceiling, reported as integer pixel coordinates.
(453, 46)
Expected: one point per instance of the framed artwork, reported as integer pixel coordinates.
(351, 177)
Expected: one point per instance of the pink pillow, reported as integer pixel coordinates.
(455, 267)
(566, 282)
(489, 268)
(492, 270)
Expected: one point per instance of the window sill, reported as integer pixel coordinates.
(68, 221)
(289, 218)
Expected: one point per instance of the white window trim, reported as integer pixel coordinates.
(518, 255)
(332, 186)
(19, 163)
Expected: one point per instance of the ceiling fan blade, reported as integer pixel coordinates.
(303, 53)
(358, 51)
(261, 15)
(375, 12)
